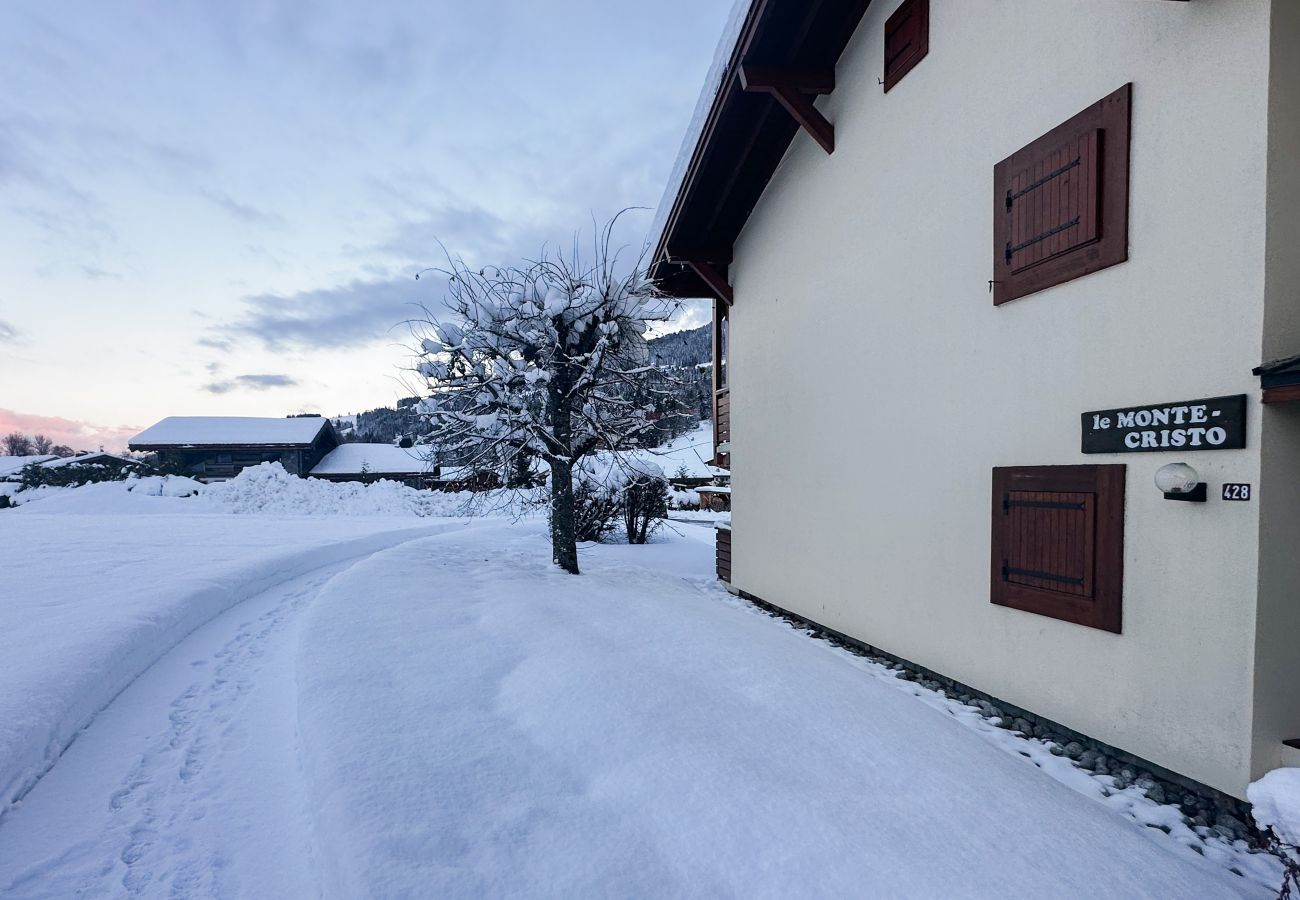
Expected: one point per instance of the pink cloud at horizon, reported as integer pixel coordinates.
(75, 434)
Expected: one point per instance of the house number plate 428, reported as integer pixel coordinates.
(1236, 492)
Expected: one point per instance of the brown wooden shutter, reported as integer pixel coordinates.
(1050, 543)
(1058, 542)
(1052, 204)
(1061, 203)
(907, 39)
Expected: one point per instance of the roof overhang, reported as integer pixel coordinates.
(1280, 379)
(746, 133)
(793, 44)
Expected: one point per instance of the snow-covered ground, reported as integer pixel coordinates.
(690, 451)
(420, 707)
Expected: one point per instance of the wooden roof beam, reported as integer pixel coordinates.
(793, 89)
(709, 274)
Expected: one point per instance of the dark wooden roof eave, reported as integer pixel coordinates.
(745, 136)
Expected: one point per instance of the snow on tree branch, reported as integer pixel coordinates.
(545, 360)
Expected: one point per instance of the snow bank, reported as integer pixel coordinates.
(91, 601)
(1276, 802)
(499, 728)
(269, 489)
(266, 489)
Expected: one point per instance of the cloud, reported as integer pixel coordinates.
(95, 273)
(246, 213)
(366, 310)
(689, 314)
(250, 383)
(225, 345)
(76, 434)
(360, 312)
(8, 333)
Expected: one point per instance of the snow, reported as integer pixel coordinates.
(265, 489)
(86, 459)
(341, 706)
(12, 465)
(1276, 800)
(230, 430)
(91, 601)
(348, 459)
(635, 732)
(691, 450)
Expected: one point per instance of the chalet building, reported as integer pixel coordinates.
(372, 462)
(1024, 274)
(14, 468)
(215, 448)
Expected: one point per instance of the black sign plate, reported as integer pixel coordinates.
(1236, 491)
(1215, 423)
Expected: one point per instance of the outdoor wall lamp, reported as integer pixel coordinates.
(1179, 481)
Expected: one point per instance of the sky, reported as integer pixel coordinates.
(218, 208)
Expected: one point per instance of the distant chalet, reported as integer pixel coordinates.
(364, 462)
(215, 448)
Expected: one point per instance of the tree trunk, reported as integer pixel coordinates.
(564, 526)
(564, 543)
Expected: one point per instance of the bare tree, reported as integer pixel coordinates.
(42, 444)
(541, 359)
(17, 444)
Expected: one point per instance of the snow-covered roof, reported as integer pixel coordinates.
(236, 431)
(691, 450)
(86, 459)
(737, 138)
(713, 82)
(12, 465)
(381, 459)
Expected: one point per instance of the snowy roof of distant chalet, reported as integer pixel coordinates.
(12, 465)
(86, 459)
(230, 431)
(380, 459)
(692, 450)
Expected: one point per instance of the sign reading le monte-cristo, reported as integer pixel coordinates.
(1216, 423)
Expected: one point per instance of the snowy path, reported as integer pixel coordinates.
(497, 728)
(453, 717)
(188, 784)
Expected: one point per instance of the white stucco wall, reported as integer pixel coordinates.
(874, 385)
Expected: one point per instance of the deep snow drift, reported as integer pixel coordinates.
(266, 489)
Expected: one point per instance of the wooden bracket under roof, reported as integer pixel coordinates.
(704, 265)
(794, 90)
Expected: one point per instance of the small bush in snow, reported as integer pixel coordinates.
(607, 487)
(645, 504)
(595, 510)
